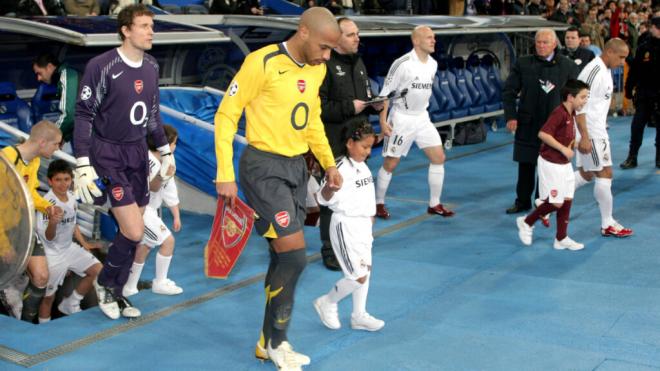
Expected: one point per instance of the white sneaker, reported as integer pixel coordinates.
(525, 231)
(129, 291)
(327, 312)
(165, 287)
(366, 322)
(127, 308)
(261, 353)
(68, 308)
(285, 359)
(568, 243)
(107, 302)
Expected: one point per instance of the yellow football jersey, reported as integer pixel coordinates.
(282, 107)
(29, 173)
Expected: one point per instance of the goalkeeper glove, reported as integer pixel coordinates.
(166, 161)
(84, 185)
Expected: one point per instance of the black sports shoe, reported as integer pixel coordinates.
(126, 307)
(329, 259)
(629, 163)
(517, 207)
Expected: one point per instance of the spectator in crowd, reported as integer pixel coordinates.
(28, 8)
(62, 253)
(534, 7)
(644, 85)
(605, 20)
(247, 7)
(49, 70)
(82, 7)
(632, 25)
(344, 100)
(117, 5)
(593, 28)
(9, 7)
(548, 9)
(572, 49)
(563, 14)
(540, 76)
(585, 42)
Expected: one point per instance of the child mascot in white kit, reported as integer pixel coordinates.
(354, 207)
(156, 232)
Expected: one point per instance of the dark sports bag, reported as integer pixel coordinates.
(470, 133)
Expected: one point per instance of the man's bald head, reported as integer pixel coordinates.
(615, 52)
(319, 19)
(318, 33)
(616, 44)
(420, 31)
(45, 129)
(423, 39)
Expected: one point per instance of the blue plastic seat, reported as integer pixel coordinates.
(491, 75)
(45, 104)
(482, 84)
(460, 95)
(442, 95)
(13, 110)
(465, 85)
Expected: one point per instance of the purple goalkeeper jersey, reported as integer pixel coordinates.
(118, 102)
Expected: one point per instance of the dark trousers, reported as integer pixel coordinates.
(644, 114)
(526, 184)
(325, 216)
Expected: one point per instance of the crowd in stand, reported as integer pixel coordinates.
(601, 19)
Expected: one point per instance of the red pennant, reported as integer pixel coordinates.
(229, 235)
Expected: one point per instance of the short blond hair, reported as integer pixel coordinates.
(44, 129)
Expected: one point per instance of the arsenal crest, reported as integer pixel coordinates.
(301, 86)
(229, 235)
(233, 227)
(118, 193)
(138, 85)
(553, 193)
(282, 218)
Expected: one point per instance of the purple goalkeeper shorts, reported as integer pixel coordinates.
(126, 166)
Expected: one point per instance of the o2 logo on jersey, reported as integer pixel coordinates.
(141, 120)
(300, 116)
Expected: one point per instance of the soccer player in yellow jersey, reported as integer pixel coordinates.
(278, 86)
(45, 138)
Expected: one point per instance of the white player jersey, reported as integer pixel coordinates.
(64, 231)
(408, 72)
(167, 193)
(357, 196)
(599, 78)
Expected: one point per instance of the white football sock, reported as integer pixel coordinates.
(603, 194)
(436, 179)
(134, 276)
(162, 266)
(382, 183)
(342, 289)
(360, 298)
